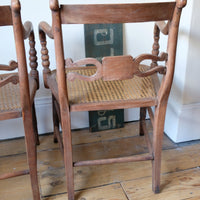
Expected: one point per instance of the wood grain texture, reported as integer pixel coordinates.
(21, 188)
(180, 177)
(116, 67)
(52, 178)
(178, 185)
(109, 192)
(80, 137)
(92, 14)
(10, 115)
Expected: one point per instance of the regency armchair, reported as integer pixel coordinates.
(17, 90)
(118, 82)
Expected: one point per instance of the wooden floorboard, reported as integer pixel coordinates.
(53, 180)
(112, 192)
(18, 188)
(180, 173)
(179, 185)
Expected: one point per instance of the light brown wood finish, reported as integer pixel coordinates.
(116, 67)
(6, 16)
(14, 174)
(57, 81)
(164, 27)
(92, 14)
(163, 94)
(12, 66)
(27, 92)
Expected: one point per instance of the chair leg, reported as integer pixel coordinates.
(67, 142)
(142, 120)
(31, 154)
(55, 121)
(159, 119)
(35, 124)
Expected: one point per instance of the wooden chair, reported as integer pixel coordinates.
(17, 90)
(78, 87)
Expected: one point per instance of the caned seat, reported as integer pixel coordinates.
(18, 89)
(115, 82)
(9, 97)
(83, 94)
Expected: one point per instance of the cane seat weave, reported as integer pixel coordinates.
(9, 96)
(90, 92)
(83, 92)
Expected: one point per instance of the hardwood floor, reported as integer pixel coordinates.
(180, 178)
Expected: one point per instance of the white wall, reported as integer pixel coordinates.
(36, 11)
(183, 114)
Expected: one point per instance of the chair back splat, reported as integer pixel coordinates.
(17, 90)
(118, 82)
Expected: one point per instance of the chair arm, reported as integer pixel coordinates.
(46, 28)
(28, 28)
(13, 78)
(12, 66)
(163, 26)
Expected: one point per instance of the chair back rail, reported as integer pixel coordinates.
(6, 16)
(92, 14)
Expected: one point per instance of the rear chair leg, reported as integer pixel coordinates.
(142, 120)
(35, 124)
(159, 119)
(55, 121)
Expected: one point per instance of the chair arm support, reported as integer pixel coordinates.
(29, 33)
(160, 26)
(45, 29)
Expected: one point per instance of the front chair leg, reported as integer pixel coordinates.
(142, 120)
(35, 124)
(159, 119)
(31, 154)
(68, 160)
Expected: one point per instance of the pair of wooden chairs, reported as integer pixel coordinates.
(115, 83)
(17, 90)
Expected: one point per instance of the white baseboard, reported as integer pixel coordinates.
(183, 124)
(14, 128)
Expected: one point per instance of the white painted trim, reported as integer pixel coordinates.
(183, 124)
(14, 128)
